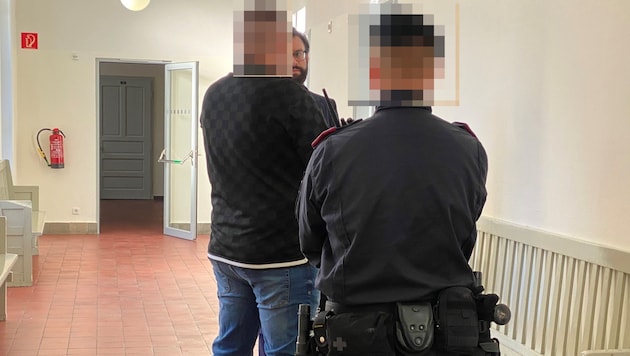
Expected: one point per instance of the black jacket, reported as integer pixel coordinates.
(331, 117)
(257, 134)
(388, 206)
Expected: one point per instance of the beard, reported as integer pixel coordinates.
(300, 78)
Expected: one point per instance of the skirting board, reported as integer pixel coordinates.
(71, 228)
(510, 347)
(606, 353)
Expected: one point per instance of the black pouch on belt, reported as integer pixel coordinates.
(360, 334)
(457, 325)
(414, 327)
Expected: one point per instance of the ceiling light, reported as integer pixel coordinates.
(135, 5)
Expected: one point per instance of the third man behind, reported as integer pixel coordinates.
(301, 48)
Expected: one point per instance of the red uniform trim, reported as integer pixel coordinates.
(322, 136)
(465, 126)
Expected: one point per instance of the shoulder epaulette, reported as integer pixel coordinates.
(465, 126)
(322, 136)
(330, 131)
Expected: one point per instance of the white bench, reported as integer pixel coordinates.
(19, 239)
(8, 191)
(7, 261)
(24, 224)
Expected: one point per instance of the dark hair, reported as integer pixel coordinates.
(407, 30)
(299, 34)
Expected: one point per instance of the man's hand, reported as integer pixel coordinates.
(345, 122)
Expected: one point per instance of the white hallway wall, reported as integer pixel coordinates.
(545, 86)
(56, 91)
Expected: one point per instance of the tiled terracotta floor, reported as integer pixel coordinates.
(128, 291)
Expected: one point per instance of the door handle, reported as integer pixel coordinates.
(163, 158)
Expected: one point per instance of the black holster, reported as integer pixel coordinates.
(414, 327)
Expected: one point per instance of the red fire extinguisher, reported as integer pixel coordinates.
(56, 148)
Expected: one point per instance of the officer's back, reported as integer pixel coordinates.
(401, 193)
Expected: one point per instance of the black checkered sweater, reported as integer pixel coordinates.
(257, 135)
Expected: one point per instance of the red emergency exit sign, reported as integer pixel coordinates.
(29, 40)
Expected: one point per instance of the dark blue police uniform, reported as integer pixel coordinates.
(388, 206)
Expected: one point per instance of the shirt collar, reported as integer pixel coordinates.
(385, 107)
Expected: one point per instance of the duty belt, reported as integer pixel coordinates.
(339, 308)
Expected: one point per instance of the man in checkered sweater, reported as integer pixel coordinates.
(258, 125)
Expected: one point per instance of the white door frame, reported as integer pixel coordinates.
(100, 60)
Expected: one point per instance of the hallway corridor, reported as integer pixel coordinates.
(128, 291)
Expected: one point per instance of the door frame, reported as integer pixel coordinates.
(99, 61)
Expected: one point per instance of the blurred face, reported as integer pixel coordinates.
(262, 44)
(300, 62)
(404, 68)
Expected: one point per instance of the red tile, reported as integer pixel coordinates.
(82, 342)
(128, 291)
(54, 343)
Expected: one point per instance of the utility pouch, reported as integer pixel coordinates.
(457, 327)
(414, 327)
(360, 334)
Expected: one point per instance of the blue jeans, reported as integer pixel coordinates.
(267, 300)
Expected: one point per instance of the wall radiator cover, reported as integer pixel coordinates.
(567, 297)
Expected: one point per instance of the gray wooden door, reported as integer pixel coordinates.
(125, 137)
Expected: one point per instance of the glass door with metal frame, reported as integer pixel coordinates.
(180, 149)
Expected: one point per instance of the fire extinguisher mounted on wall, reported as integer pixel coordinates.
(56, 148)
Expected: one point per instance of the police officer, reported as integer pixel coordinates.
(388, 205)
